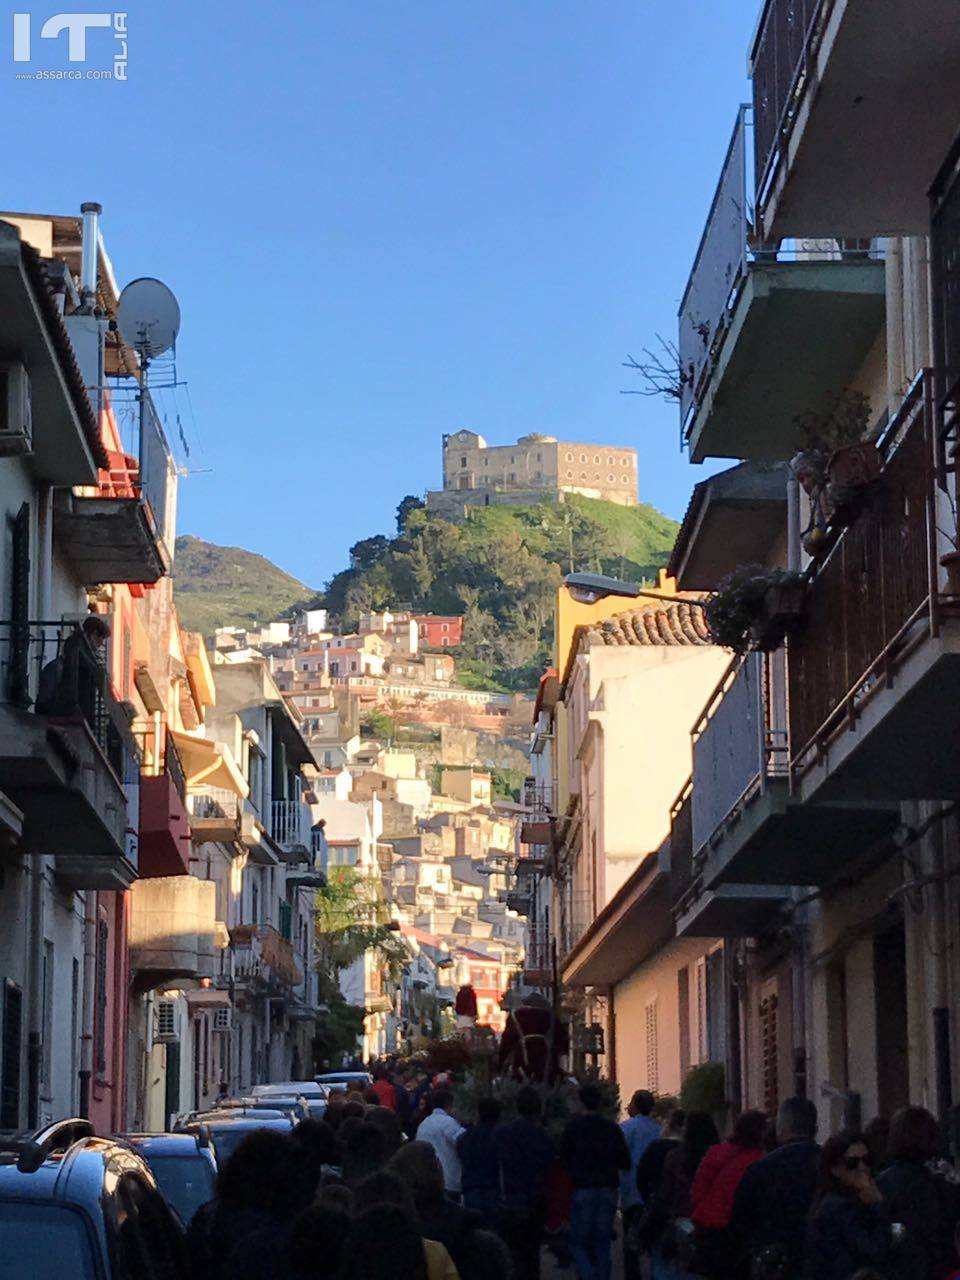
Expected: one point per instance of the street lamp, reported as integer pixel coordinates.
(588, 588)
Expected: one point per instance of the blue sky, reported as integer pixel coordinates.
(386, 219)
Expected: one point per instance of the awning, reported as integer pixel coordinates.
(208, 998)
(208, 762)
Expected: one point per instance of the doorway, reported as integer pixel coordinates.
(890, 985)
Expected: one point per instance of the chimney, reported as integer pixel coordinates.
(88, 263)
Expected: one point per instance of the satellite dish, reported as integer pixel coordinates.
(148, 316)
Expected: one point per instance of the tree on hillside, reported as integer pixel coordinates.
(414, 571)
(408, 504)
(368, 551)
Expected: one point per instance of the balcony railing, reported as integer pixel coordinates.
(215, 802)
(875, 592)
(56, 668)
(538, 952)
(727, 250)
(539, 797)
(682, 872)
(289, 825)
(781, 60)
(160, 756)
(739, 742)
(260, 952)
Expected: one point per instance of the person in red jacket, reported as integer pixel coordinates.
(714, 1188)
(383, 1088)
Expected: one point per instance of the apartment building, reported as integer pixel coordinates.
(819, 834)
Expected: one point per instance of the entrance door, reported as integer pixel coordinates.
(171, 1092)
(890, 983)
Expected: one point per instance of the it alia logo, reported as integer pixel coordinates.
(76, 26)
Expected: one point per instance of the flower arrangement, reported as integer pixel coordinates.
(753, 608)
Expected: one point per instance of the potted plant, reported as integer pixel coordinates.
(836, 456)
(753, 608)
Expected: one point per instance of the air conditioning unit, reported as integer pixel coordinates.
(16, 420)
(222, 1019)
(166, 1024)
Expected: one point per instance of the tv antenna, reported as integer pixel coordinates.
(148, 317)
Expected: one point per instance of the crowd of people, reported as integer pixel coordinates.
(391, 1185)
(770, 1203)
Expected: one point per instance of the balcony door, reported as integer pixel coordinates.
(890, 984)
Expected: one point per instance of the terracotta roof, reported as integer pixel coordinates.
(676, 624)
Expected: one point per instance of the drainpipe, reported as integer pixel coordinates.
(89, 978)
(35, 987)
(896, 377)
(38, 866)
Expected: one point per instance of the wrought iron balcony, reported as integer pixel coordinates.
(875, 660)
(67, 756)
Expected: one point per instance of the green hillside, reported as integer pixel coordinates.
(500, 568)
(227, 586)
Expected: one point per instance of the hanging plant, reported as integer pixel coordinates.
(753, 608)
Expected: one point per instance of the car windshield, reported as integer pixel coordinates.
(186, 1182)
(44, 1242)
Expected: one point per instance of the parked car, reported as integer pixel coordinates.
(228, 1127)
(313, 1096)
(290, 1089)
(183, 1164)
(346, 1081)
(294, 1107)
(83, 1208)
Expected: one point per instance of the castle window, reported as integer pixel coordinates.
(486, 462)
(624, 479)
(569, 475)
(568, 457)
(610, 462)
(624, 462)
(539, 457)
(596, 460)
(463, 462)
(611, 479)
(583, 457)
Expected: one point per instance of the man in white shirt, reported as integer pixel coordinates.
(441, 1130)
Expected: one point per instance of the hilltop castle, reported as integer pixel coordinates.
(537, 468)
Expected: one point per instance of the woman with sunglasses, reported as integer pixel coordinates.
(850, 1227)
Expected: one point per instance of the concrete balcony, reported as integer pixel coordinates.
(766, 332)
(110, 539)
(876, 660)
(67, 759)
(749, 838)
(165, 836)
(173, 930)
(856, 102)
